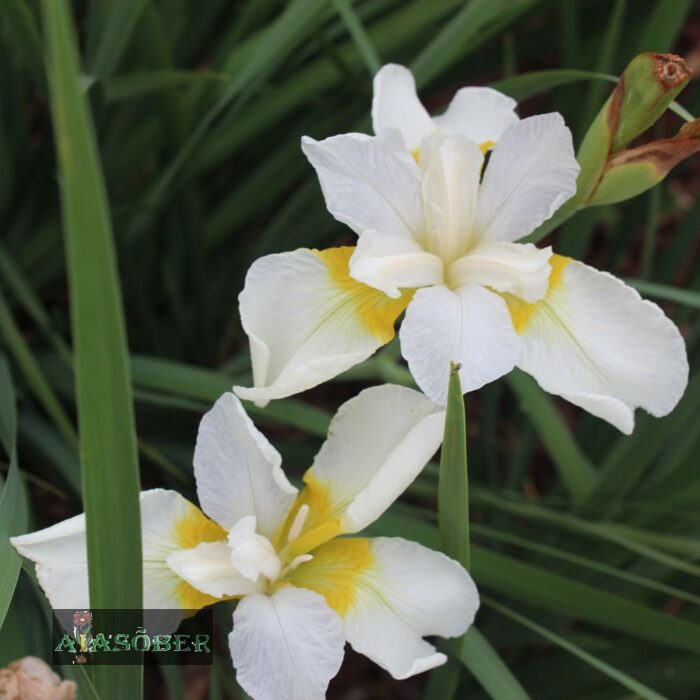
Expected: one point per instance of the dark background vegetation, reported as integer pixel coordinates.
(199, 107)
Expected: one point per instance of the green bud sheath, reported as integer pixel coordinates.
(635, 170)
(644, 91)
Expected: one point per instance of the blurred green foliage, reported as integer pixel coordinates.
(584, 542)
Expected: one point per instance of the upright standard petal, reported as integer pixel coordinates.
(369, 182)
(168, 523)
(480, 113)
(393, 263)
(286, 645)
(395, 105)
(595, 342)
(238, 472)
(390, 594)
(470, 326)
(450, 168)
(399, 430)
(531, 173)
(517, 268)
(308, 320)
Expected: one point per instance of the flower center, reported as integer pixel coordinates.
(251, 553)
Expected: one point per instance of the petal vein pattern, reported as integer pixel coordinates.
(391, 593)
(286, 645)
(238, 472)
(169, 523)
(450, 169)
(531, 173)
(595, 342)
(369, 183)
(344, 493)
(470, 326)
(308, 320)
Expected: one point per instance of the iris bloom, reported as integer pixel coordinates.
(438, 237)
(303, 590)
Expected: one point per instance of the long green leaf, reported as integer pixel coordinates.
(576, 472)
(473, 650)
(560, 594)
(525, 85)
(622, 678)
(33, 374)
(663, 24)
(453, 489)
(17, 16)
(665, 292)
(103, 388)
(489, 669)
(125, 87)
(207, 385)
(13, 503)
(359, 35)
(605, 61)
(467, 28)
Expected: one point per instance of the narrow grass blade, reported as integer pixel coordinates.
(466, 27)
(663, 24)
(297, 19)
(453, 512)
(489, 669)
(13, 504)
(35, 377)
(19, 20)
(576, 472)
(575, 560)
(525, 85)
(18, 284)
(138, 84)
(475, 652)
(207, 385)
(623, 679)
(443, 681)
(651, 232)
(115, 33)
(103, 388)
(559, 594)
(453, 489)
(359, 35)
(605, 62)
(665, 292)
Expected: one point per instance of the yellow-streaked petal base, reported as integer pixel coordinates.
(321, 524)
(335, 571)
(522, 311)
(192, 529)
(377, 311)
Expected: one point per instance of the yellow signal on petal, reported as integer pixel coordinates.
(321, 523)
(336, 571)
(190, 530)
(486, 146)
(189, 598)
(377, 311)
(521, 312)
(194, 528)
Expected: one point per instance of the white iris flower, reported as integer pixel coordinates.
(438, 237)
(303, 589)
